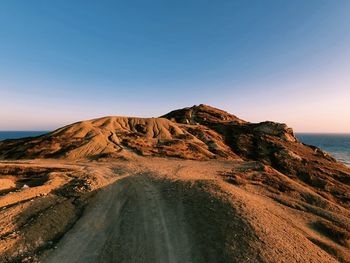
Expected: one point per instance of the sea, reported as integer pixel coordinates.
(19, 134)
(338, 145)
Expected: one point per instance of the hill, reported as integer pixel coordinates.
(195, 185)
(121, 136)
(198, 133)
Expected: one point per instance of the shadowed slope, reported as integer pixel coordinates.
(199, 132)
(276, 199)
(274, 144)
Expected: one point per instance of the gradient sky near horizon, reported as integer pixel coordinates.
(64, 61)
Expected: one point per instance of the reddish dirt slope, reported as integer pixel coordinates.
(121, 137)
(236, 192)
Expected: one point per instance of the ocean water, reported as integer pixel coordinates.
(19, 134)
(338, 145)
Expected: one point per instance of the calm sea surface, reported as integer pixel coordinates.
(19, 134)
(337, 145)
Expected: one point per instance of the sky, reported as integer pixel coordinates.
(65, 61)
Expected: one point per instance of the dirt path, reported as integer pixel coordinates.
(127, 222)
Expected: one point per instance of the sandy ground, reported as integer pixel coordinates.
(166, 210)
(127, 222)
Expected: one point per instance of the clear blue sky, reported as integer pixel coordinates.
(63, 61)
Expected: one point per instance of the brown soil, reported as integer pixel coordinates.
(110, 190)
(121, 137)
(163, 210)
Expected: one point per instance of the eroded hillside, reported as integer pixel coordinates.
(198, 184)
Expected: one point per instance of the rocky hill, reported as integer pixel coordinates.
(241, 192)
(275, 145)
(121, 137)
(199, 133)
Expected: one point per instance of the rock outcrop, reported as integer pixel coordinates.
(269, 198)
(199, 133)
(274, 144)
(121, 137)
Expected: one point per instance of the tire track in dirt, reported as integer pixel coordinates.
(127, 222)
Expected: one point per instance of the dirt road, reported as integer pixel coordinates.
(127, 222)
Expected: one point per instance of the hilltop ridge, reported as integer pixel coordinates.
(197, 133)
(241, 192)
